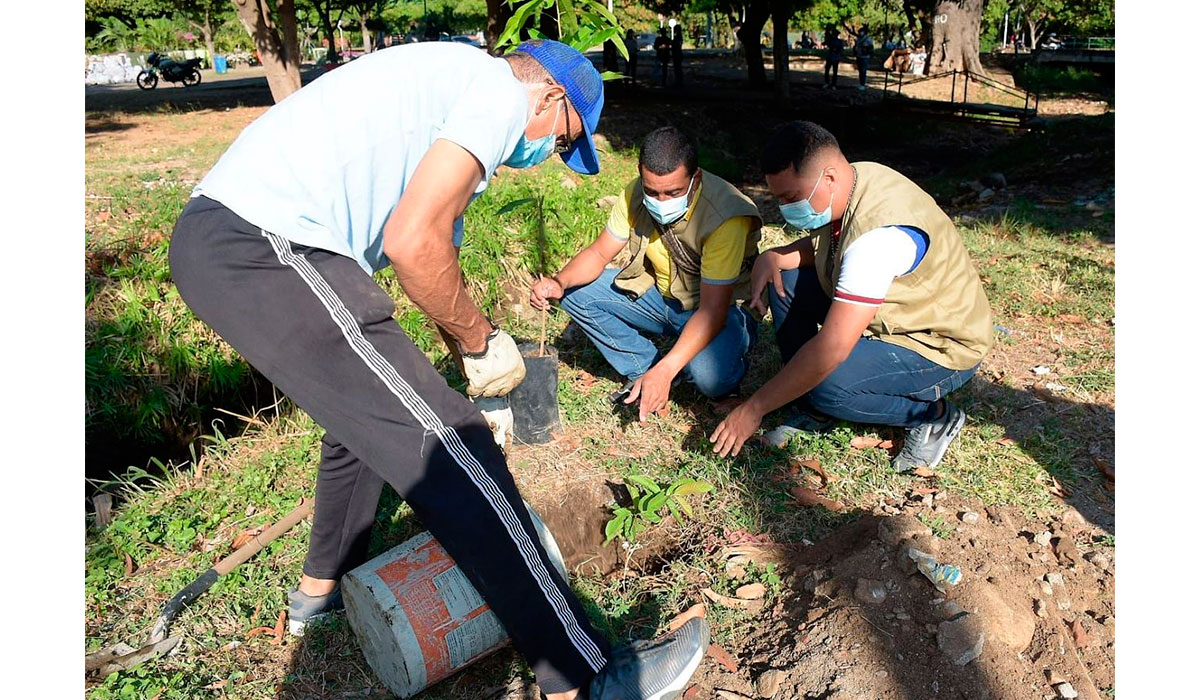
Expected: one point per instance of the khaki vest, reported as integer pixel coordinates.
(938, 310)
(716, 202)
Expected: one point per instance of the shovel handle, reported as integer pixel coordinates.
(197, 588)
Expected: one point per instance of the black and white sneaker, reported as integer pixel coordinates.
(653, 670)
(304, 608)
(925, 445)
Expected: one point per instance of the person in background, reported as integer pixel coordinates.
(691, 238)
(677, 54)
(864, 48)
(879, 315)
(834, 48)
(631, 47)
(662, 52)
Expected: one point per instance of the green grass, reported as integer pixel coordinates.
(152, 368)
(1049, 80)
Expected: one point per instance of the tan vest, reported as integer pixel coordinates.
(938, 310)
(715, 203)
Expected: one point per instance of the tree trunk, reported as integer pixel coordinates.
(498, 15)
(1035, 33)
(325, 15)
(279, 55)
(206, 31)
(781, 12)
(750, 35)
(955, 36)
(362, 24)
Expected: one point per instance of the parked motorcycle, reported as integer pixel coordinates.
(187, 72)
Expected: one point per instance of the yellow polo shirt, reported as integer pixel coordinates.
(720, 258)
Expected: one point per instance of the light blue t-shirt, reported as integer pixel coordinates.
(326, 166)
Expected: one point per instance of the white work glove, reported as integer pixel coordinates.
(495, 371)
(501, 423)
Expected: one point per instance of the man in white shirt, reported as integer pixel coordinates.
(369, 166)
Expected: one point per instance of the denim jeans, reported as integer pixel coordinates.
(615, 324)
(879, 383)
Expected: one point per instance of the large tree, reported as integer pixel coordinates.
(951, 32)
(276, 40)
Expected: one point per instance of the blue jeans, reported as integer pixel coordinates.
(614, 323)
(879, 382)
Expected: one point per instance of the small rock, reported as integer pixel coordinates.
(1042, 539)
(768, 683)
(927, 500)
(1064, 604)
(903, 616)
(1053, 677)
(1039, 607)
(568, 182)
(1098, 559)
(995, 180)
(969, 517)
(983, 568)
(601, 142)
(961, 639)
(971, 186)
(606, 202)
(751, 591)
(869, 591)
(987, 194)
(1055, 579)
(1066, 690)
(881, 674)
(1046, 588)
(951, 610)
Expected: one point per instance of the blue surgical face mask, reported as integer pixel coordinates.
(530, 153)
(670, 210)
(801, 213)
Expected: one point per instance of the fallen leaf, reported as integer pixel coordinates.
(260, 630)
(217, 686)
(586, 379)
(1072, 318)
(808, 497)
(864, 443)
(924, 490)
(103, 216)
(1105, 467)
(1006, 442)
(739, 537)
(886, 445)
(245, 537)
(722, 657)
(1057, 489)
(728, 602)
(815, 466)
(751, 591)
(279, 628)
(569, 443)
(1044, 393)
(924, 471)
(725, 406)
(691, 693)
(697, 610)
(1081, 635)
(129, 565)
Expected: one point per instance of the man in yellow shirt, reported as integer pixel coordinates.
(692, 239)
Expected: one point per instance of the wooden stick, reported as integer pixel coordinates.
(542, 343)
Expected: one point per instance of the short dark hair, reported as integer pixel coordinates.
(667, 148)
(793, 143)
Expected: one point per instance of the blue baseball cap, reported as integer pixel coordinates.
(585, 90)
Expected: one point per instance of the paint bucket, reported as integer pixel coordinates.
(417, 617)
(535, 400)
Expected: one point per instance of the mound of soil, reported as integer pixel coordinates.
(1033, 611)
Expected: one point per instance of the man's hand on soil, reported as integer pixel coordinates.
(653, 389)
(738, 426)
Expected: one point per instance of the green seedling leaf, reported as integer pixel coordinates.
(516, 203)
(634, 494)
(685, 506)
(674, 511)
(694, 487)
(647, 484)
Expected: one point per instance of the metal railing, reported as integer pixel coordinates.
(995, 113)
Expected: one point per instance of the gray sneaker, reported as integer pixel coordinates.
(304, 608)
(653, 670)
(925, 445)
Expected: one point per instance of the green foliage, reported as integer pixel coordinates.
(938, 524)
(648, 500)
(1051, 80)
(114, 35)
(582, 24)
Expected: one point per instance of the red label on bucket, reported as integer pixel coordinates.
(451, 622)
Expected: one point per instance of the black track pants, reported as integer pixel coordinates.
(317, 325)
